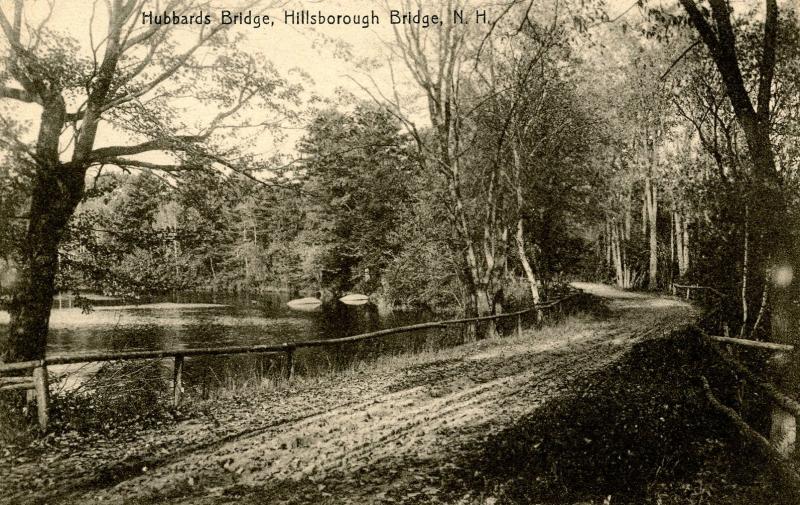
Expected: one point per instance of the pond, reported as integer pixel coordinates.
(193, 320)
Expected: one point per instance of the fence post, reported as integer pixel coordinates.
(519, 325)
(290, 362)
(783, 427)
(673, 289)
(687, 293)
(470, 332)
(783, 432)
(177, 381)
(42, 394)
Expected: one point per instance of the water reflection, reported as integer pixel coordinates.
(212, 320)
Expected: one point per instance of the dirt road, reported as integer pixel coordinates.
(388, 436)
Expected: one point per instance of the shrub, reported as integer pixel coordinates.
(119, 396)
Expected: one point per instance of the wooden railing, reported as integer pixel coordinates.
(678, 289)
(38, 379)
(783, 430)
(781, 442)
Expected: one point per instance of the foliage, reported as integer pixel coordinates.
(120, 396)
(358, 170)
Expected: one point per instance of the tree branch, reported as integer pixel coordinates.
(182, 143)
(125, 162)
(19, 94)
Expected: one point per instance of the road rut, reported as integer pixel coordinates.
(377, 444)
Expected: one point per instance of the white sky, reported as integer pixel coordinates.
(294, 46)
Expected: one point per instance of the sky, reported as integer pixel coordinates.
(313, 51)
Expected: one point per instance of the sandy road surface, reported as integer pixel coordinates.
(386, 438)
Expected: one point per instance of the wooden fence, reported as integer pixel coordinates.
(785, 410)
(37, 381)
(679, 289)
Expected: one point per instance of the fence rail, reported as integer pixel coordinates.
(785, 410)
(38, 381)
(689, 288)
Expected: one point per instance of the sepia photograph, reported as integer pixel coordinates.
(462, 252)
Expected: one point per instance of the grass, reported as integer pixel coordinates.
(387, 364)
(127, 395)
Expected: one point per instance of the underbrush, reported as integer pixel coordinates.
(16, 421)
(119, 396)
(640, 432)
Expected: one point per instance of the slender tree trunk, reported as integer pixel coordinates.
(645, 207)
(619, 265)
(671, 247)
(685, 244)
(679, 244)
(520, 233)
(628, 220)
(526, 266)
(744, 270)
(651, 194)
(763, 307)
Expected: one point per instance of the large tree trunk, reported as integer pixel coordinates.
(56, 193)
(471, 272)
(770, 248)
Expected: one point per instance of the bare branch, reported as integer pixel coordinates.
(125, 162)
(19, 94)
(181, 143)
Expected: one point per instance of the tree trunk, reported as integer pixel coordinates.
(526, 266)
(651, 194)
(616, 248)
(671, 247)
(685, 244)
(771, 247)
(679, 244)
(55, 194)
(628, 220)
(744, 271)
(520, 234)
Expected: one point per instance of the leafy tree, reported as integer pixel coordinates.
(357, 168)
(127, 82)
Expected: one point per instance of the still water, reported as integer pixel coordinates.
(192, 320)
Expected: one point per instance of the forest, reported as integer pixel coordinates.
(497, 162)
